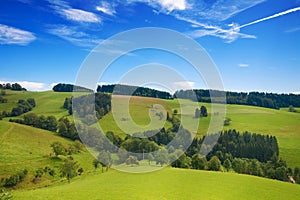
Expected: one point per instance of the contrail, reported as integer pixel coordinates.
(270, 17)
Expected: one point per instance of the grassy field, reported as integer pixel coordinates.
(169, 183)
(280, 123)
(140, 116)
(23, 147)
(27, 147)
(47, 103)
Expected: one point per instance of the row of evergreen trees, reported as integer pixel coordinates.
(133, 91)
(63, 87)
(268, 100)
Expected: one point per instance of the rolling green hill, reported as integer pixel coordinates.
(169, 183)
(48, 103)
(27, 147)
(24, 147)
(280, 123)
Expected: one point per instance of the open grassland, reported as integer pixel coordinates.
(23, 147)
(280, 123)
(165, 184)
(47, 103)
(139, 116)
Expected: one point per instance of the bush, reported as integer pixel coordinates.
(214, 164)
(14, 179)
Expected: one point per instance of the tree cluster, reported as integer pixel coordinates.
(268, 100)
(62, 87)
(14, 179)
(202, 112)
(24, 106)
(48, 123)
(246, 153)
(87, 104)
(133, 91)
(14, 86)
(245, 145)
(59, 149)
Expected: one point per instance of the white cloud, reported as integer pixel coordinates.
(243, 65)
(73, 35)
(11, 35)
(106, 8)
(166, 5)
(222, 10)
(171, 5)
(293, 30)
(229, 35)
(65, 10)
(31, 86)
(184, 85)
(80, 15)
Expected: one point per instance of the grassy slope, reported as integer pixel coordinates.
(167, 184)
(141, 113)
(17, 141)
(24, 147)
(283, 124)
(48, 103)
(280, 123)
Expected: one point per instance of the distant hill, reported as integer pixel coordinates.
(62, 87)
(134, 91)
(268, 100)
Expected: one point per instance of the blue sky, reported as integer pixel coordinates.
(255, 44)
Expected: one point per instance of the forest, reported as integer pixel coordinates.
(262, 99)
(134, 91)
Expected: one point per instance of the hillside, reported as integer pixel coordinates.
(24, 147)
(168, 183)
(48, 102)
(280, 123)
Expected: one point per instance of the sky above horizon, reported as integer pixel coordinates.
(255, 44)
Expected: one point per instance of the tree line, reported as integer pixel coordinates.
(63, 87)
(262, 99)
(245, 145)
(133, 91)
(87, 104)
(23, 106)
(63, 127)
(14, 86)
(268, 100)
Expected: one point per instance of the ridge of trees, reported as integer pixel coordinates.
(262, 99)
(63, 87)
(14, 86)
(87, 104)
(134, 91)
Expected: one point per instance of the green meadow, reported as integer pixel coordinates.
(24, 147)
(280, 123)
(169, 183)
